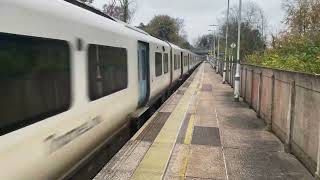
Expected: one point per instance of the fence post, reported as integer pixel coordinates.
(251, 97)
(245, 85)
(241, 79)
(227, 72)
(231, 74)
(290, 116)
(317, 173)
(259, 95)
(269, 124)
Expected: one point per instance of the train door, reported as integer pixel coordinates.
(143, 70)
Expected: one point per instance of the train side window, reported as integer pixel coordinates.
(158, 63)
(185, 60)
(179, 61)
(35, 80)
(165, 63)
(108, 70)
(175, 62)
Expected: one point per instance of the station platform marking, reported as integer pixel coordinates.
(154, 164)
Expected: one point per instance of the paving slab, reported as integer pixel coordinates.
(241, 122)
(178, 161)
(205, 107)
(244, 139)
(252, 164)
(206, 120)
(206, 162)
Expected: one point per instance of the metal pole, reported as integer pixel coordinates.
(226, 50)
(214, 49)
(214, 45)
(237, 76)
(217, 70)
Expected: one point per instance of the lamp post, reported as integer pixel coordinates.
(215, 57)
(226, 49)
(213, 47)
(217, 61)
(237, 76)
(232, 46)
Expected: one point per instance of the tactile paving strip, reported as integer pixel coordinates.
(152, 130)
(183, 129)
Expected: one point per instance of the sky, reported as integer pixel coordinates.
(199, 14)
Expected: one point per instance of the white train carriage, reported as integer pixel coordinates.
(184, 62)
(159, 68)
(176, 52)
(80, 76)
(70, 78)
(193, 60)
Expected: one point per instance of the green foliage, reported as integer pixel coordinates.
(291, 52)
(204, 41)
(167, 28)
(299, 48)
(164, 27)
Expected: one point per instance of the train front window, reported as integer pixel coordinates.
(35, 80)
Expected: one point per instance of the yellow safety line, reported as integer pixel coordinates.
(187, 141)
(184, 166)
(155, 161)
(188, 136)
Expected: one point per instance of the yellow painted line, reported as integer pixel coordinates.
(136, 135)
(188, 136)
(187, 141)
(184, 166)
(155, 161)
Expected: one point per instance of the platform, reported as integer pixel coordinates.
(201, 133)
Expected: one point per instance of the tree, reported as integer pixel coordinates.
(164, 27)
(120, 9)
(302, 15)
(297, 48)
(169, 29)
(253, 26)
(204, 42)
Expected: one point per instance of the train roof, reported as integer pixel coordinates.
(175, 46)
(70, 12)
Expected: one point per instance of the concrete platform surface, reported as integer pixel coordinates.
(200, 133)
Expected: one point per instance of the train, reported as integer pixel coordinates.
(70, 77)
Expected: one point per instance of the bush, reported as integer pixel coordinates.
(291, 52)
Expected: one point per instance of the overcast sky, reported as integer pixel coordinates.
(198, 14)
